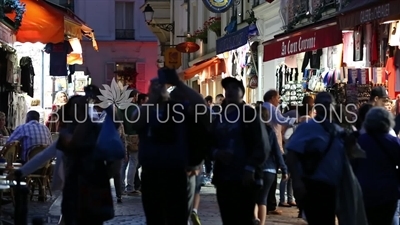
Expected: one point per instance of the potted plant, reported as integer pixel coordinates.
(18, 8)
(201, 34)
(190, 39)
(214, 24)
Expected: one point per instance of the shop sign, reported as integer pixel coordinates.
(6, 35)
(313, 39)
(232, 41)
(377, 12)
(253, 82)
(172, 58)
(218, 6)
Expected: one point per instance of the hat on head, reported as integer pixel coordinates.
(379, 92)
(231, 80)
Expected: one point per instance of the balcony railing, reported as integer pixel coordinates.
(125, 34)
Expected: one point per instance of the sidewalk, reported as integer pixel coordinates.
(130, 212)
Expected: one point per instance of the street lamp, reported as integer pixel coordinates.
(148, 17)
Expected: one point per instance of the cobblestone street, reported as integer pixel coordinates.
(130, 212)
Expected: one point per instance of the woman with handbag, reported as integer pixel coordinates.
(377, 174)
(87, 193)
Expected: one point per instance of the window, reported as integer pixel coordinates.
(124, 21)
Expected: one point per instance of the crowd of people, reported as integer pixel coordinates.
(330, 170)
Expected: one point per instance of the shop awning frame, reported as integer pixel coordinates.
(200, 67)
(47, 22)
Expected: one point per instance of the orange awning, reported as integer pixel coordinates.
(215, 66)
(46, 22)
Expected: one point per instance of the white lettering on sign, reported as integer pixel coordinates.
(290, 47)
(6, 34)
(375, 13)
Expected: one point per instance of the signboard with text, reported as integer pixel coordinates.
(308, 40)
(382, 12)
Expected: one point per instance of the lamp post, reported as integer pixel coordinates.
(148, 17)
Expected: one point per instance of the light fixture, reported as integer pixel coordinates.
(148, 14)
(148, 17)
(389, 21)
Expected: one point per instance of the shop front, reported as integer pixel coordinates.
(48, 45)
(208, 75)
(9, 90)
(42, 51)
(269, 24)
(309, 61)
(240, 56)
(371, 35)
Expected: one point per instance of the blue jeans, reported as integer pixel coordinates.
(286, 186)
(396, 215)
(128, 172)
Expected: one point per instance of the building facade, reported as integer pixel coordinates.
(126, 44)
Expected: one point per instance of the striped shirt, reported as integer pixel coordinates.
(31, 134)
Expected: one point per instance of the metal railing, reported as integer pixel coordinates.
(125, 34)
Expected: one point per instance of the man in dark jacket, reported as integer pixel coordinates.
(168, 168)
(240, 149)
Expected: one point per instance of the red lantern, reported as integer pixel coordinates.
(187, 47)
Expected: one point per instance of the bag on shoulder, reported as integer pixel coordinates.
(109, 145)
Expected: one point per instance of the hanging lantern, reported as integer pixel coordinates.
(187, 47)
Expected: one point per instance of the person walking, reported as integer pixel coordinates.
(240, 149)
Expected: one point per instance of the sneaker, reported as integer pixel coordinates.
(119, 200)
(195, 218)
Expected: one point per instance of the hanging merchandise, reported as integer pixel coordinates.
(58, 57)
(358, 44)
(17, 109)
(27, 75)
(293, 94)
(313, 58)
(390, 70)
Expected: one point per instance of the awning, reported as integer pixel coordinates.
(311, 38)
(358, 13)
(213, 67)
(46, 22)
(232, 41)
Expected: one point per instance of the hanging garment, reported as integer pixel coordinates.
(394, 34)
(391, 77)
(12, 67)
(27, 75)
(348, 50)
(58, 57)
(75, 57)
(313, 58)
(17, 110)
(374, 54)
(71, 69)
(358, 44)
(367, 41)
